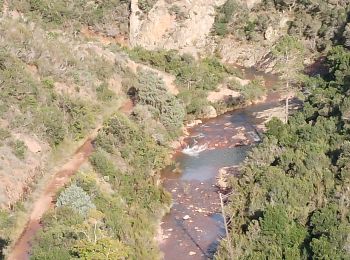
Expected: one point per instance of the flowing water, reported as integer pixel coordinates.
(194, 226)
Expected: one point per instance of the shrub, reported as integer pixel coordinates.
(104, 93)
(146, 5)
(79, 114)
(190, 74)
(99, 15)
(250, 92)
(4, 134)
(103, 164)
(223, 17)
(19, 149)
(102, 249)
(53, 121)
(75, 198)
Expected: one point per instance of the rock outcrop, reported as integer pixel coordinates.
(186, 29)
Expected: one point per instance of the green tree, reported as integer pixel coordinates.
(289, 58)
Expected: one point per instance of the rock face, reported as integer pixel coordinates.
(163, 29)
(251, 53)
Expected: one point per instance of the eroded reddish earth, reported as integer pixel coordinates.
(21, 249)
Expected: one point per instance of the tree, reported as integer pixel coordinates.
(289, 60)
(289, 56)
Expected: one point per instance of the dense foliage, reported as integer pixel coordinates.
(292, 199)
(151, 91)
(194, 77)
(126, 202)
(109, 17)
(320, 23)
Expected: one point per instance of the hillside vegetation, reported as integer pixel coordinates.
(63, 75)
(291, 200)
(56, 87)
(320, 23)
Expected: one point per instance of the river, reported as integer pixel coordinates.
(194, 226)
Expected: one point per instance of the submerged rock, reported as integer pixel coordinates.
(186, 217)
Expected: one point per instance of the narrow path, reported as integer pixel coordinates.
(45, 201)
(21, 249)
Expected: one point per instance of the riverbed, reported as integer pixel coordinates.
(194, 226)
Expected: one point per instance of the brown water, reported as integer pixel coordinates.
(194, 225)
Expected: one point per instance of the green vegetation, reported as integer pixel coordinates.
(252, 91)
(292, 198)
(224, 16)
(205, 74)
(288, 53)
(73, 14)
(291, 201)
(167, 108)
(40, 105)
(120, 205)
(195, 78)
(75, 198)
(319, 23)
(4, 135)
(19, 148)
(146, 5)
(104, 93)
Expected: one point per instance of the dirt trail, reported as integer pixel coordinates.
(45, 201)
(21, 250)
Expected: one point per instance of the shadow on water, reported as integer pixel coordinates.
(212, 248)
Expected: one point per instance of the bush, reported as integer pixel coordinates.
(4, 134)
(102, 249)
(223, 17)
(250, 92)
(146, 5)
(104, 93)
(77, 199)
(53, 121)
(204, 74)
(103, 164)
(166, 107)
(19, 149)
(99, 15)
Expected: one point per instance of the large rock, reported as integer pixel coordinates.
(208, 112)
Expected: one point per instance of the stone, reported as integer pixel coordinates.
(270, 34)
(209, 112)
